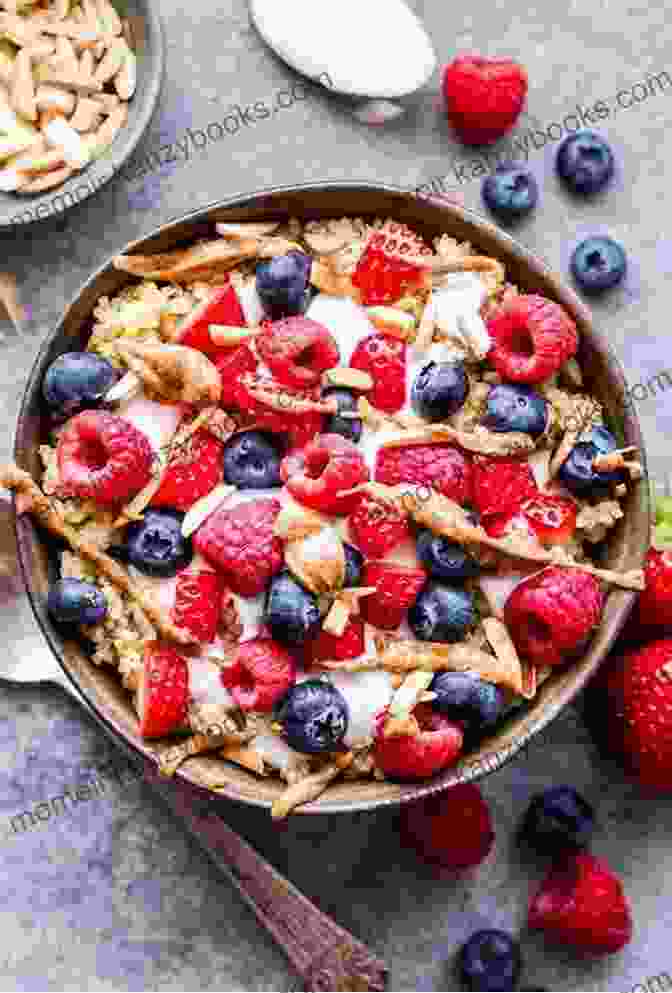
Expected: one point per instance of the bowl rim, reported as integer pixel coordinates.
(107, 165)
(461, 773)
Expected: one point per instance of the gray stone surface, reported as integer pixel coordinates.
(113, 896)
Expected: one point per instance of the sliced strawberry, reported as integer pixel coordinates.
(552, 518)
(397, 587)
(163, 693)
(195, 468)
(221, 307)
(198, 603)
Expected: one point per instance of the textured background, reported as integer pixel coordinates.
(113, 896)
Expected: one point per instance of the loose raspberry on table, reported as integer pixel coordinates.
(437, 746)
(102, 457)
(384, 358)
(261, 673)
(532, 338)
(551, 614)
(317, 474)
(441, 467)
(297, 350)
(198, 602)
(501, 486)
(326, 647)
(231, 365)
(377, 526)
(452, 828)
(240, 542)
(397, 587)
(483, 96)
(194, 469)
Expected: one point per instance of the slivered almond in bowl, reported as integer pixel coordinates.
(78, 86)
(303, 528)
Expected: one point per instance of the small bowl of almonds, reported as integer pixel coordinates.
(79, 81)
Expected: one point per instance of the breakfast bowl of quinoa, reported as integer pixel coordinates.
(327, 497)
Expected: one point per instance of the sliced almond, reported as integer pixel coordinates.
(13, 146)
(125, 81)
(55, 98)
(108, 17)
(204, 507)
(128, 386)
(90, 11)
(86, 64)
(60, 135)
(309, 788)
(295, 522)
(59, 77)
(226, 336)
(6, 65)
(61, 9)
(173, 373)
(245, 756)
(317, 560)
(87, 116)
(108, 101)
(325, 277)
(82, 34)
(9, 298)
(351, 379)
(42, 48)
(65, 56)
(111, 62)
(186, 264)
(35, 162)
(498, 635)
(47, 181)
(337, 619)
(22, 93)
(110, 127)
(250, 229)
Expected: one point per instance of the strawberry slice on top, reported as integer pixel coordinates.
(194, 469)
(198, 602)
(221, 307)
(163, 692)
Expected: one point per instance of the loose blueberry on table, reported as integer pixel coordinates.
(598, 264)
(317, 515)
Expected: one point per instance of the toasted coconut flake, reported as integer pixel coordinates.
(173, 373)
(309, 788)
(498, 635)
(400, 720)
(401, 656)
(337, 619)
(186, 264)
(204, 507)
(349, 379)
(246, 230)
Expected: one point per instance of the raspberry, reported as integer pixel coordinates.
(326, 647)
(501, 486)
(419, 756)
(194, 469)
(453, 828)
(377, 526)
(316, 474)
(261, 673)
(231, 365)
(297, 351)
(532, 338)
(441, 467)
(241, 543)
(221, 307)
(581, 904)
(163, 693)
(384, 358)
(382, 278)
(551, 614)
(397, 587)
(198, 603)
(483, 96)
(102, 457)
(552, 518)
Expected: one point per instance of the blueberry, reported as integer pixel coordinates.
(314, 716)
(558, 820)
(490, 960)
(77, 381)
(354, 565)
(441, 613)
(440, 388)
(585, 162)
(516, 408)
(252, 461)
(444, 559)
(72, 601)
(465, 697)
(577, 472)
(292, 613)
(597, 264)
(282, 284)
(511, 191)
(347, 427)
(156, 545)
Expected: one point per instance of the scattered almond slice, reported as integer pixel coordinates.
(108, 17)
(57, 77)
(309, 788)
(204, 507)
(65, 56)
(186, 264)
(111, 62)
(350, 379)
(109, 129)
(87, 115)
(22, 93)
(225, 336)
(246, 230)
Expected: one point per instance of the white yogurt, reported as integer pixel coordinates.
(251, 615)
(346, 320)
(366, 694)
(205, 684)
(157, 421)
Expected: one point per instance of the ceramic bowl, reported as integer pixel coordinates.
(624, 549)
